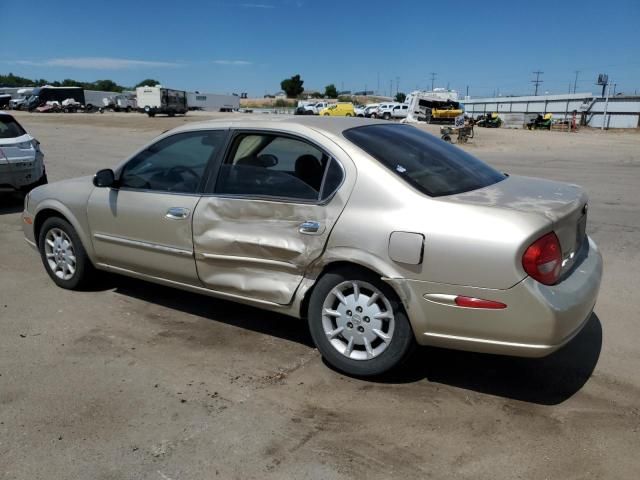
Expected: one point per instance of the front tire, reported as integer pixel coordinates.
(63, 256)
(358, 324)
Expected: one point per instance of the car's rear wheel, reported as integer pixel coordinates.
(63, 255)
(386, 116)
(358, 324)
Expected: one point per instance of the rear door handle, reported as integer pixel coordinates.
(177, 213)
(310, 227)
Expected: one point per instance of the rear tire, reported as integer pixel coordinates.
(386, 116)
(63, 255)
(354, 337)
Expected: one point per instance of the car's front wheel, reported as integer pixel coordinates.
(358, 323)
(63, 255)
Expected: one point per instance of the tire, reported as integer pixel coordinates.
(326, 115)
(386, 116)
(447, 138)
(151, 114)
(68, 246)
(348, 115)
(362, 360)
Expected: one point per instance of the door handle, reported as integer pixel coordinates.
(310, 227)
(177, 213)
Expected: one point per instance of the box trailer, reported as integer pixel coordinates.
(155, 100)
(94, 99)
(42, 95)
(212, 102)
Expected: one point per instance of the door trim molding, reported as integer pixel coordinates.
(156, 247)
(236, 258)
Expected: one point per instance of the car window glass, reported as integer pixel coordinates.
(273, 166)
(427, 163)
(9, 128)
(174, 164)
(332, 180)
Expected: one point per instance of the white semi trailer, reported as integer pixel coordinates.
(212, 102)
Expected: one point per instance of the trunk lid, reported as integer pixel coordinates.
(563, 204)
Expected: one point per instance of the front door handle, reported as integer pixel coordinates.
(177, 213)
(310, 227)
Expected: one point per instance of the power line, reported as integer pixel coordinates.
(537, 81)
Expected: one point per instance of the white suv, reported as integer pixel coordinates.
(392, 110)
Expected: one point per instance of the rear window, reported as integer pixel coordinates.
(427, 163)
(9, 128)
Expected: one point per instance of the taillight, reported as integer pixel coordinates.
(543, 259)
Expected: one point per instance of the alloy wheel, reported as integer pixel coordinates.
(358, 320)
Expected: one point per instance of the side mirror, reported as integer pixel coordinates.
(104, 178)
(267, 160)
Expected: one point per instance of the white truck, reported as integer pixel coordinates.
(310, 108)
(20, 99)
(160, 100)
(392, 110)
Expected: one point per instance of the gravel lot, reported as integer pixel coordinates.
(137, 381)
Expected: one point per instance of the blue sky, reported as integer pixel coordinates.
(251, 45)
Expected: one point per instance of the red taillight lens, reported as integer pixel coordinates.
(543, 259)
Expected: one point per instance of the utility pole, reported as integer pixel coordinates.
(391, 88)
(433, 80)
(467, 92)
(397, 85)
(606, 104)
(378, 89)
(575, 82)
(537, 81)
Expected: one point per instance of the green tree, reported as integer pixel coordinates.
(106, 86)
(400, 97)
(292, 86)
(149, 82)
(330, 91)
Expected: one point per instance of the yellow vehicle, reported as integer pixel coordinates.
(438, 113)
(340, 109)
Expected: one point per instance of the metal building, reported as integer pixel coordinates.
(622, 111)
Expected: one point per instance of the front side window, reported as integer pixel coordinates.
(174, 164)
(268, 165)
(427, 163)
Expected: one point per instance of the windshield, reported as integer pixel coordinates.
(427, 163)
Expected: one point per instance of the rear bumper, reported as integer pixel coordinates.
(17, 174)
(538, 320)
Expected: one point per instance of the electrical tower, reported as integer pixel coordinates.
(433, 80)
(537, 81)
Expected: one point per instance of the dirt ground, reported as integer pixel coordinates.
(136, 381)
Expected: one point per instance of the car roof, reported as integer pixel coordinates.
(331, 125)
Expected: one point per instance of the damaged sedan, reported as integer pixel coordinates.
(380, 235)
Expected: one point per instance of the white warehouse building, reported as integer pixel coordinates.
(622, 111)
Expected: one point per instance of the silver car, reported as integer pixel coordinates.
(21, 159)
(382, 236)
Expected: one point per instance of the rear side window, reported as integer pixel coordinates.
(9, 128)
(427, 163)
(268, 165)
